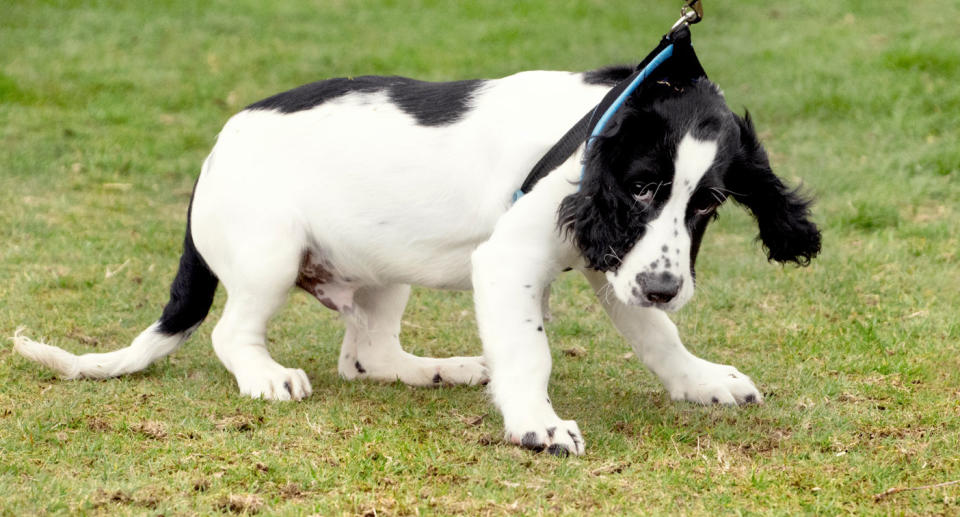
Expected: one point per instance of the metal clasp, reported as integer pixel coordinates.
(690, 13)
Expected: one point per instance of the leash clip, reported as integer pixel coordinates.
(690, 13)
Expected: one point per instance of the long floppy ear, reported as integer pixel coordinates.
(783, 214)
(598, 215)
(602, 215)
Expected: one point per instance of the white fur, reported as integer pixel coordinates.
(386, 203)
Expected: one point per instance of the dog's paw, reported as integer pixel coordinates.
(707, 383)
(418, 371)
(274, 382)
(558, 437)
(461, 370)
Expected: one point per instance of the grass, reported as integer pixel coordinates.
(108, 108)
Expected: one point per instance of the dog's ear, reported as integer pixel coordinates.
(590, 218)
(601, 216)
(783, 214)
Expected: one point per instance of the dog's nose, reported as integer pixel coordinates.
(659, 287)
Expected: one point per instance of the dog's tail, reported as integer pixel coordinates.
(191, 296)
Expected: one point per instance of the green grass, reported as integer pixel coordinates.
(108, 108)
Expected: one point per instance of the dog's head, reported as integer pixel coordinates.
(653, 180)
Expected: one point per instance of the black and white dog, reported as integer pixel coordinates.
(355, 189)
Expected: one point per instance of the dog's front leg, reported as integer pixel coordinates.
(508, 289)
(511, 273)
(656, 342)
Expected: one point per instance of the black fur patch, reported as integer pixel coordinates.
(782, 213)
(314, 94)
(608, 75)
(430, 103)
(434, 104)
(359, 367)
(192, 290)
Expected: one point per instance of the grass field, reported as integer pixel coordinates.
(108, 108)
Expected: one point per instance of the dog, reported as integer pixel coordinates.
(354, 189)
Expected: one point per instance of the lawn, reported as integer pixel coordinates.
(108, 108)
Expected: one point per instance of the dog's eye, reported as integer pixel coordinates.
(707, 202)
(706, 210)
(643, 194)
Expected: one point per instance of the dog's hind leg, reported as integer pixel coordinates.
(239, 340)
(257, 285)
(371, 346)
